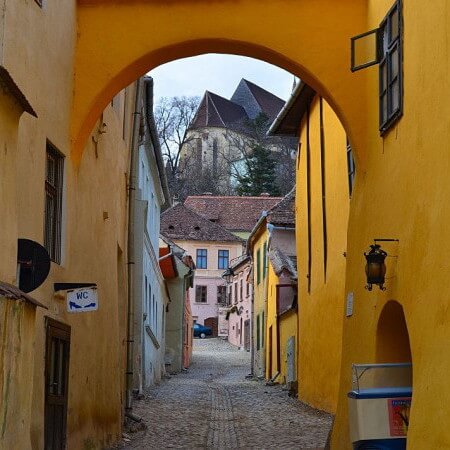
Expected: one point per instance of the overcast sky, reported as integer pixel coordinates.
(219, 74)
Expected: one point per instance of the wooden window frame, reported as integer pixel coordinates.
(386, 47)
(53, 212)
(264, 269)
(223, 259)
(258, 266)
(201, 257)
(201, 294)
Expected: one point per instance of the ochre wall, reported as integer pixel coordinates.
(271, 321)
(37, 48)
(259, 300)
(308, 38)
(16, 372)
(403, 194)
(321, 307)
(287, 324)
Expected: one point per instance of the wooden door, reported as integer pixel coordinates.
(247, 335)
(270, 352)
(213, 323)
(56, 384)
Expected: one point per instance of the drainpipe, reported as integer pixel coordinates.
(132, 186)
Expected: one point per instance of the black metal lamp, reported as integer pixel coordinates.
(228, 275)
(375, 267)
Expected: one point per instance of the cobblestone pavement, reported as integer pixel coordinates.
(213, 406)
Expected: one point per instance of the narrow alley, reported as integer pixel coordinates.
(212, 405)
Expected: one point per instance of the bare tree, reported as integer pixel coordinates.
(240, 152)
(173, 116)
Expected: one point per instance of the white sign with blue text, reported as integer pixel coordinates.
(82, 300)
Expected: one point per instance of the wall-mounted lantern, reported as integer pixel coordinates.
(375, 267)
(228, 275)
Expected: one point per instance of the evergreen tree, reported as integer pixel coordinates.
(260, 174)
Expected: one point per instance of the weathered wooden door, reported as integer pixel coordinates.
(247, 335)
(56, 384)
(213, 323)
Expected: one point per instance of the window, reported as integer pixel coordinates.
(247, 288)
(241, 290)
(390, 68)
(383, 46)
(200, 294)
(221, 294)
(223, 259)
(202, 258)
(235, 292)
(350, 168)
(53, 202)
(264, 259)
(258, 266)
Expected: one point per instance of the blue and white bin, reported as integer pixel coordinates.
(379, 416)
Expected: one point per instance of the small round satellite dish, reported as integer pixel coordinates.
(34, 262)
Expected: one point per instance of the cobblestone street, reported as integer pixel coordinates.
(212, 405)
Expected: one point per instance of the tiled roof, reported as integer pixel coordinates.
(282, 262)
(216, 111)
(233, 213)
(269, 103)
(283, 213)
(182, 223)
(236, 262)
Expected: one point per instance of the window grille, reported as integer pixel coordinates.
(202, 258)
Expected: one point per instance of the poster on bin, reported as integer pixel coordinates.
(399, 415)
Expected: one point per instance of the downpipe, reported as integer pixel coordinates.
(132, 185)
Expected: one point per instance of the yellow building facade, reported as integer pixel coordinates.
(400, 191)
(257, 248)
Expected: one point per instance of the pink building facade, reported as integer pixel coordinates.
(239, 307)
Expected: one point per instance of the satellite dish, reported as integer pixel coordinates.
(34, 264)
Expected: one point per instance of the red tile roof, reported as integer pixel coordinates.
(182, 223)
(233, 213)
(283, 213)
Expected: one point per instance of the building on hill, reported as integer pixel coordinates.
(237, 214)
(223, 134)
(212, 247)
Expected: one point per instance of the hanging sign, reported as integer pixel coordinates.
(82, 300)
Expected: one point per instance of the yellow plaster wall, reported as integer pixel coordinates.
(271, 321)
(91, 253)
(404, 194)
(309, 38)
(10, 113)
(259, 299)
(16, 372)
(287, 324)
(321, 308)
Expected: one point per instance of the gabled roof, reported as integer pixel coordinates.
(233, 213)
(182, 223)
(282, 262)
(287, 122)
(217, 111)
(283, 213)
(257, 100)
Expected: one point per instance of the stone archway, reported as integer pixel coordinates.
(118, 41)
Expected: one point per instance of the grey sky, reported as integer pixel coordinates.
(219, 74)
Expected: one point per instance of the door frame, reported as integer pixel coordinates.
(54, 328)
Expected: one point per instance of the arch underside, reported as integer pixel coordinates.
(120, 41)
